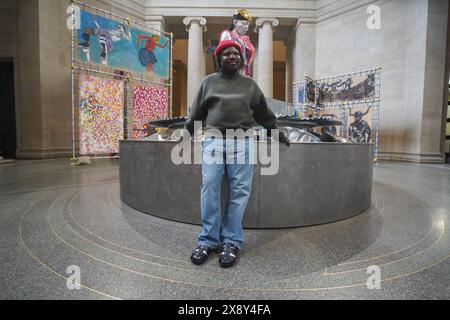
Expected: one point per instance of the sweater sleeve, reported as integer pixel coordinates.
(261, 111)
(198, 110)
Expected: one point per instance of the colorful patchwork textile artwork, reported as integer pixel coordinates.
(101, 115)
(149, 104)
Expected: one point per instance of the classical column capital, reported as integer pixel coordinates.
(189, 20)
(261, 21)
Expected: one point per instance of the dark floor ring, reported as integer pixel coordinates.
(315, 184)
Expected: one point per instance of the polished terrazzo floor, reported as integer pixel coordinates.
(53, 216)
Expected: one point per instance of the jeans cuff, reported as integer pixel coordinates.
(209, 245)
(236, 244)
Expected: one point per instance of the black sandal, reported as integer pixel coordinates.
(201, 254)
(228, 255)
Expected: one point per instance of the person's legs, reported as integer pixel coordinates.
(240, 178)
(104, 48)
(213, 169)
(87, 37)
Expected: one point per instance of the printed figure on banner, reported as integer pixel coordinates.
(360, 131)
(310, 91)
(301, 93)
(147, 54)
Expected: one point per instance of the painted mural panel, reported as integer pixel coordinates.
(114, 44)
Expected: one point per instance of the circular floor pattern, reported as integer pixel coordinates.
(125, 254)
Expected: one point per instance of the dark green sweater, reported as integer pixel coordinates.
(225, 102)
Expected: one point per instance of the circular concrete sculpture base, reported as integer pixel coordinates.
(315, 184)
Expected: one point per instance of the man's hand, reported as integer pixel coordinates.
(284, 139)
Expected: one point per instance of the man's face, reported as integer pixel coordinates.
(241, 26)
(231, 60)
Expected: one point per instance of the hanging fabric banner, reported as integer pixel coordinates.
(149, 104)
(114, 44)
(353, 88)
(101, 115)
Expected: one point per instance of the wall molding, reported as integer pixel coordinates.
(5, 162)
(43, 153)
(310, 12)
(136, 11)
(412, 157)
(336, 8)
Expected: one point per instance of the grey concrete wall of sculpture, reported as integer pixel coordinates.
(316, 184)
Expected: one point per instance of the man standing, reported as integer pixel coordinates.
(227, 100)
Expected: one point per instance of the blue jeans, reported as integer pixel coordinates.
(219, 157)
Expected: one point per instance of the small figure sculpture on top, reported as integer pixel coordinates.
(237, 33)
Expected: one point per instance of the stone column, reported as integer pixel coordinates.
(44, 85)
(435, 49)
(304, 55)
(196, 61)
(289, 71)
(265, 54)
